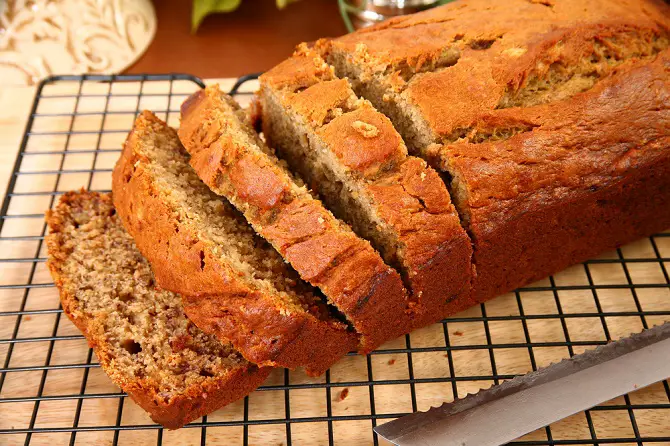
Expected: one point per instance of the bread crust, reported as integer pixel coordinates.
(323, 250)
(197, 400)
(436, 249)
(593, 175)
(214, 296)
(406, 194)
(545, 129)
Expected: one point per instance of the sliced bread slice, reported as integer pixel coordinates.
(354, 158)
(234, 284)
(234, 162)
(139, 333)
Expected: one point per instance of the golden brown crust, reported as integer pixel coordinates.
(324, 251)
(363, 140)
(488, 45)
(197, 400)
(547, 129)
(436, 250)
(263, 332)
(490, 31)
(215, 296)
(299, 72)
(407, 195)
(592, 175)
(195, 403)
(318, 100)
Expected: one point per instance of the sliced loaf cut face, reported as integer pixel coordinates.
(534, 124)
(139, 333)
(354, 158)
(234, 162)
(234, 284)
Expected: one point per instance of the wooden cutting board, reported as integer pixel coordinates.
(507, 336)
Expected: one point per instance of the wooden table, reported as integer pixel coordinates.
(466, 337)
(14, 108)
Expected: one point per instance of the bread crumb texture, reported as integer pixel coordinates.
(140, 333)
(221, 228)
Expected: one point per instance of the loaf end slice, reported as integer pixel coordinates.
(139, 333)
(234, 162)
(234, 284)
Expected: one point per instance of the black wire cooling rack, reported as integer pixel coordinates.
(53, 391)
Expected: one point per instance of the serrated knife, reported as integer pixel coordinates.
(514, 408)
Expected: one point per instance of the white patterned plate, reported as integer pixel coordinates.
(39, 38)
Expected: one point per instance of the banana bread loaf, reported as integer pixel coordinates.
(139, 333)
(354, 158)
(550, 119)
(234, 284)
(234, 162)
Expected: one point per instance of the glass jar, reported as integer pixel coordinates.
(362, 13)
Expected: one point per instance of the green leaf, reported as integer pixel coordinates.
(203, 8)
(282, 3)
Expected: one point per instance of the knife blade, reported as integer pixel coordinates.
(514, 408)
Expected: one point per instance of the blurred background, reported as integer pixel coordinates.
(207, 38)
(252, 38)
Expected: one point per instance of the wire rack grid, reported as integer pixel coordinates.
(52, 390)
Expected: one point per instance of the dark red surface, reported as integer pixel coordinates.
(254, 38)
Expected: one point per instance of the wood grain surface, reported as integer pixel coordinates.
(507, 336)
(14, 109)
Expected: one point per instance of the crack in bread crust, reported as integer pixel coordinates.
(572, 66)
(555, 57)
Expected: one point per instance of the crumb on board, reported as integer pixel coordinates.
(27, 318)
(458, 333)
(343, 394)
(391, 361)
